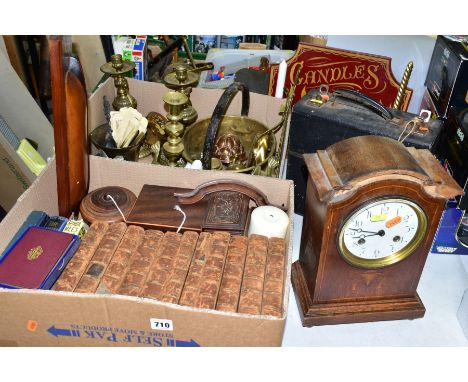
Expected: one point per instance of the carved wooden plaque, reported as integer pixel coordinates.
(338, 68)
(227, 210)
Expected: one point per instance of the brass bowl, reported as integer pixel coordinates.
(245, 128)
(101, 137)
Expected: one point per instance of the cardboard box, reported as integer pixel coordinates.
(134, 49)
(15, 177)
(23, 115)
(71, 319)
(21, 111)
(149, 96)
(50, 318)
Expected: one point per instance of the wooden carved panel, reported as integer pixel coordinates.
(338, 68)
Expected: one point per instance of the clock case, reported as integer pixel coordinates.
(342, 178)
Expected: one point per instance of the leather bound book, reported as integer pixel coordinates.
(272, 303)
(192, 283)
(228, 297)
(251, 295)
(78, 263)
(161, 268)
(140, 263)
(174, 285)
(37, 258)
(101, 258)
(213, 270)
(118, 266)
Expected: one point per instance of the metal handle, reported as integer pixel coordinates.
(365, 101)
(218, 113)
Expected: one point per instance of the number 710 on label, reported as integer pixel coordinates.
(161, 324)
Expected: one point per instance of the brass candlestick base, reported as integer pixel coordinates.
(116, 69)
(174, 147)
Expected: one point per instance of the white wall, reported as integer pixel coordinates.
(401, 49)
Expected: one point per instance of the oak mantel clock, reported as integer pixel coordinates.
(372, 210)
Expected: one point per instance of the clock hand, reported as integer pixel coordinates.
(380, 233)
(359, 230)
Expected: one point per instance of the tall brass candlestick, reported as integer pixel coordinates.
(403, 85)
(174, 147)
(182, 80)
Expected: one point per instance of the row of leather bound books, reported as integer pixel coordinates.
(207, 270)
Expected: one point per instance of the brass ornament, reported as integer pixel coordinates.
(182, 80)
(200, 138)
(228, 148)
(174, 147)
(116, 68)
(246, 129)
(403, 85)
(35, 252)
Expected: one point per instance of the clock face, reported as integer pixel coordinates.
(382, 233)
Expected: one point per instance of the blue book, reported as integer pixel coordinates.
(56, 223)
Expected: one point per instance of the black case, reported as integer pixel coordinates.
(447, 76)
(315, 126)
(456, 150)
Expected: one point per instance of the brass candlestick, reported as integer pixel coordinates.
(182, 80)
(174, 147)
(116, 69)
(403, 85)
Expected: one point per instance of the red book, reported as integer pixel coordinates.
(37, 258)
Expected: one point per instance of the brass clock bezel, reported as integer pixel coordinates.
(393, 258)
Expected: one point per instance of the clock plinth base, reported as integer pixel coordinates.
(315, 314)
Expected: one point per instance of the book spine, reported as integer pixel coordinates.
(173, 287)
(118, 266)
(213, 270)
(228, 298)
(251, 295)
(101, 258)
(272, 302)
(160, 270)
(140, 263)
(74, 270)
(190, 291)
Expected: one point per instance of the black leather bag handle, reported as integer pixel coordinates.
(218, 113)
(365, 101)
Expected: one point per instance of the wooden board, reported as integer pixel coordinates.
(69, 102)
